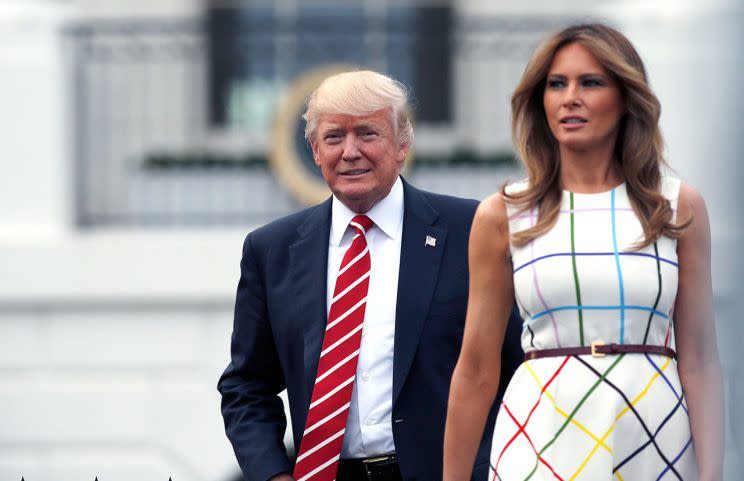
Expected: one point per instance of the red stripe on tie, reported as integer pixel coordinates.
(329, 405)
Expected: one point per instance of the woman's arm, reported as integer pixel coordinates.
(698, 365)
(476, 377)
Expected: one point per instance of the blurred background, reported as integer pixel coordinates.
(140, 140)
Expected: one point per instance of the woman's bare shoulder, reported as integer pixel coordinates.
(492, 216)
(691, 203)
(493, 209)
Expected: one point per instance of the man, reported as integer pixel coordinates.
(356, 306)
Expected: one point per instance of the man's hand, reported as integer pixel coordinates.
(282, 477)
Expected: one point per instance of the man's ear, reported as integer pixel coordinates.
(314, 147)
(402, 152)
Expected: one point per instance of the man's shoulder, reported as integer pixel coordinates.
(451, 201)
(285, 228)
(448, 205)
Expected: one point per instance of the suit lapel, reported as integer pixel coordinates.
(417, 278)
(309, 261)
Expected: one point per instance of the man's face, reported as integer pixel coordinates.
(359, 156)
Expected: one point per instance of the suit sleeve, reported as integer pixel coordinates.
(251, 408)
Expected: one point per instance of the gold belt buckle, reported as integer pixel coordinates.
(595, 353)
(378, 458)
(369, 461)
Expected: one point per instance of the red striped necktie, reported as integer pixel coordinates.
(320, 449)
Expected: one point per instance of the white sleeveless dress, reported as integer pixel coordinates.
(619, 417)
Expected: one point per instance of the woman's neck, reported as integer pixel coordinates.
(589, 171)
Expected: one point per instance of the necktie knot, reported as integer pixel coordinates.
(361, 224)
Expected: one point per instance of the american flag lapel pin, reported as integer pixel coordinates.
(431, 241)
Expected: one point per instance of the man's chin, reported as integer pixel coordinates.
(355, 190)
(358, 200)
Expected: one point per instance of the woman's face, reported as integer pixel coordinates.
(582, 102)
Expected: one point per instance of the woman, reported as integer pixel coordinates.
(598, 246)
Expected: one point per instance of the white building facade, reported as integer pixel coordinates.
(114, 333)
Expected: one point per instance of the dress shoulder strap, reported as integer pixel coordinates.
(519, 219)
(512, 208)
(670, 190)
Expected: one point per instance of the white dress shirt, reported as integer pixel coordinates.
(369, 429)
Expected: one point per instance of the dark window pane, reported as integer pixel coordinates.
(251, 47)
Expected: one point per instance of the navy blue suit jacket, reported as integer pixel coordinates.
(280, 318)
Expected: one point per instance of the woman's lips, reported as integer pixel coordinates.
(573, 122)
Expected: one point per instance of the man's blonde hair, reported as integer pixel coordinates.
(360, 92)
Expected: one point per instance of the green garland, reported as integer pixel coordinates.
(166, 160)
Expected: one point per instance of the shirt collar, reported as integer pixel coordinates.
(386, 214)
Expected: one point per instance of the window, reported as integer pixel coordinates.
(256, 50)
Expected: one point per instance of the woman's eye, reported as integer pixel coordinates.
(556, 83)
(592, 83)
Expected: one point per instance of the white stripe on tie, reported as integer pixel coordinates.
(358, 226)
(333, 391)
(341, 363)
(326, 419)
(353, 261)
(351, 286)
(346, 314)
(320, 468)
(348, 335)
(311, 451)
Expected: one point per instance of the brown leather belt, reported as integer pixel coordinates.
(600, 349)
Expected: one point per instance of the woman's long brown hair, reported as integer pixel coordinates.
(639, 148)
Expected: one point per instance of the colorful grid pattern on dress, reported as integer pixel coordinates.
(619, 417)
(320, 449)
